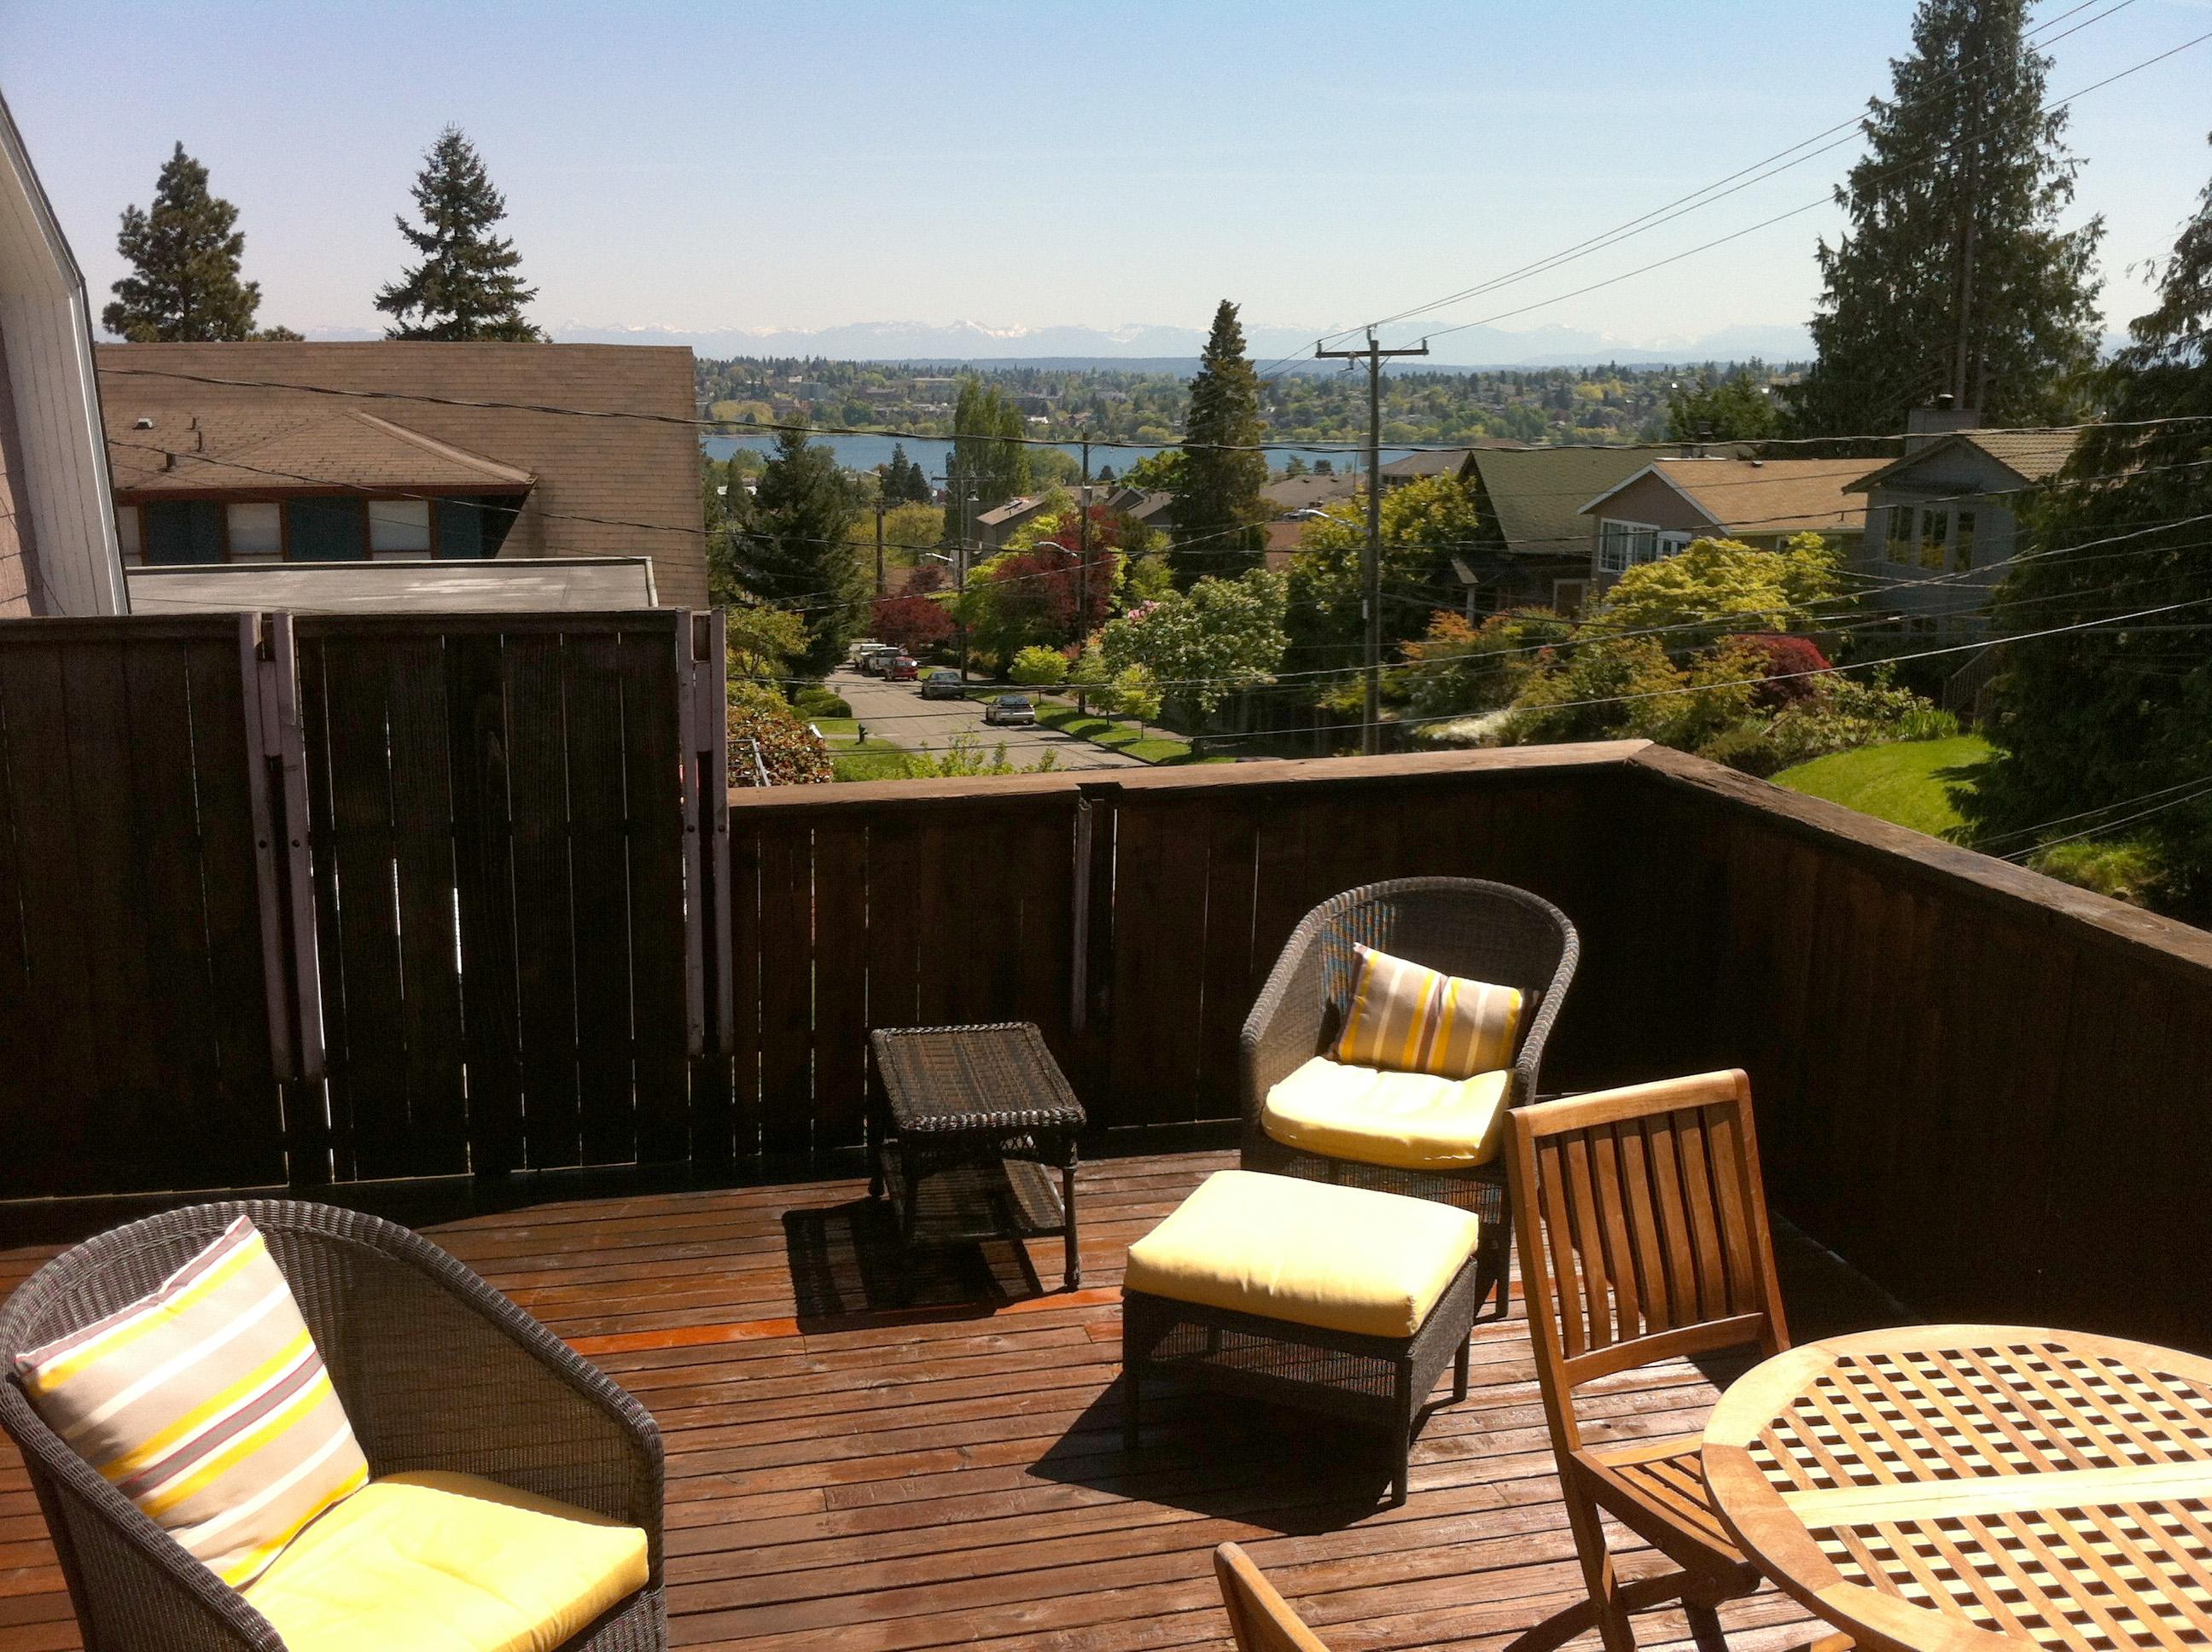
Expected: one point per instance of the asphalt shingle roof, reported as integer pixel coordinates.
(1537, 492)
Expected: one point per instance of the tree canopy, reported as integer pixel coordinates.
(466, 286)
(794, 552)
(2092, 725)
(184, 252)
(1953, 274)
(1719, 587)
(986, 460)
(1734, 407)
(1219, 513)
(1204, 644)
(903, 482)
(1423, 523)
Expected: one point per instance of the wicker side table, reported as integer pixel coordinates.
(973, 1122)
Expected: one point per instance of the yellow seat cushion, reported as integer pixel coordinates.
(1343, 1259)
(1409, 1121)
(448, 1563)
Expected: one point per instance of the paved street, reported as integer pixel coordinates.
(897, 711)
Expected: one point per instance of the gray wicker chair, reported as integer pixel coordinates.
(436, 1370)
(1462, 926)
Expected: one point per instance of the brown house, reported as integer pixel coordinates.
(1666, 504)
(240, 452)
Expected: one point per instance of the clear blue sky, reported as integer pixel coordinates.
(805, 165)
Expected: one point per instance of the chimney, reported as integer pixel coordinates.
(1923, 425)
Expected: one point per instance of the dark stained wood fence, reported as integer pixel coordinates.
(497, 834)
(134, 1038)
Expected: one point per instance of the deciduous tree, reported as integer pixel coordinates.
(466, 286)
(1203, 645)
(987, 459)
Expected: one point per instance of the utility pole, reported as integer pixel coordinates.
(960, 572)
(879, 545)
(1083, 549)
(1370, 560)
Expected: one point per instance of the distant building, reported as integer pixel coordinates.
(1442, 461)
(1658, 510)
(57, 549)
(237, 453)
(1532, 547)
(1296, 500)
(1942, 522)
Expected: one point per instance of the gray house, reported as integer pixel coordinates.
(1941, 521)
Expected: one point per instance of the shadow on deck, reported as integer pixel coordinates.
(867, 1462)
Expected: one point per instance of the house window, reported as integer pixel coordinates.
(1898, 541)
(126, 534)
(400, 527)
(1613, 547)
(326, 530)
(1568, 596)
(183, 530)
(1962, 542)
(257, 532)
(476, 527)
(1935, 535)
(1670, 544)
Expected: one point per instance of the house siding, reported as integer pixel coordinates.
(1959, 478)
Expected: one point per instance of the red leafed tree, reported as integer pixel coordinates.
(914, 620)
(1784, 658)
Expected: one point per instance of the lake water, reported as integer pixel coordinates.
(865, 452)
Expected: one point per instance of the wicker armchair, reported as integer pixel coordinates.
(1462, 926)
(436, 1370)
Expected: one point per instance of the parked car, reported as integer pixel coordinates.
(943, 683)
(901, 668)
(875, 662)
(1009, 708)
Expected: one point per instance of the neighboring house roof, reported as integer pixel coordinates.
(1145, 508)
(344, 449)
(1304, 493)
(623, 484)
(1016, 509)
(1538, 492)
(2031, 455)
(57, 548)
(1448, 461)
(1750, 495)
(536, 584)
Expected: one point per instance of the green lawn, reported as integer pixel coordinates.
(879, 760)
(1904, 783)
(1118, 736)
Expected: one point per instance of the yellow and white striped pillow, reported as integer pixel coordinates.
(1405, 1017)
(207, 1404)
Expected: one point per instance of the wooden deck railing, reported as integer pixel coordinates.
(1991, 1091)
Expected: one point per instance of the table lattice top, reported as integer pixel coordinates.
(992, 1076)
(1937, 1486)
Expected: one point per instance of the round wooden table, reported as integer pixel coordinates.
(1961, 1488)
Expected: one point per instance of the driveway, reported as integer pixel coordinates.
(897, 711)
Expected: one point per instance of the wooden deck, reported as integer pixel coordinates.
(846, 1472)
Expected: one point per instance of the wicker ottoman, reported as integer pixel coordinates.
(1333, 1299)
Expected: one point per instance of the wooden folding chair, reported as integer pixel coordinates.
(1644, 1237)
(1261, 1620)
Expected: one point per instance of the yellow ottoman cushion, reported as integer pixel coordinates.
(1342, 1259)
(448, 1563)
(1409, 1121)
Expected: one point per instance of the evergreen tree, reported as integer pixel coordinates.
(1735, 408)
(794, 551)
(184, 253)
(2107, 718)
(986, 459)
(903, 482)
(1953, 274)
(466, 286)
(1219, 514)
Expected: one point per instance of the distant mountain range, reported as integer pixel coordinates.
(1165, 347)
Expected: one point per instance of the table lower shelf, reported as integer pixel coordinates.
(970, 1201)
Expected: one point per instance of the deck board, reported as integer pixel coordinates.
(852, 1470)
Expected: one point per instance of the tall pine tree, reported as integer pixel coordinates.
(795, 551)
(183, 251)
(466, 287)
(1955, 275)
(2094, 725)
(1219, 515)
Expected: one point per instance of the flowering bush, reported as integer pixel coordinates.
(763, 725)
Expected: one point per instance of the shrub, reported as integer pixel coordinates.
(1460, 667)
(822, 703)
(2130, 871)
(1039, 667)
(1785, 658)
(1845, 713)
(1748, 747)
(760, 722)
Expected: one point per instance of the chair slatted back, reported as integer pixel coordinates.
(1261, 1619)
(1643, 1232)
